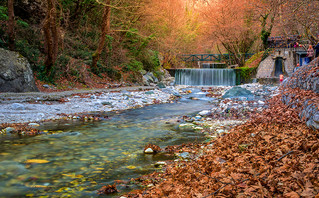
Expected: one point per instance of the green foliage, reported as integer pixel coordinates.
(133, 65)
(29, 51)
(43, 76)
(253, 59)
(244, 74)
(267, 52)
(264, 37)
(135, 43)
(22, 23)
(150, 60)
(3, 13)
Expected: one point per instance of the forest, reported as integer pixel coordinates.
(88, 41)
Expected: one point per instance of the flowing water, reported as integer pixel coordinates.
(79, 158)
(205, 77)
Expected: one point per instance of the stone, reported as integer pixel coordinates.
(184, 155)
(149, 92)
(261, 102)
(46, 86)
(149, 151)
(161, 85)
(159, 164)
(33, 124)
(205, 113)
(198, 117)
(18, 106)
(15, 73)
(106, 103)
(238, 92)
(9, 129)
(186, 127)
(316, 118)
(41, 115)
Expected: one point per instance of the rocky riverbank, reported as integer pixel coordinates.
(301, 91)
(33, 108)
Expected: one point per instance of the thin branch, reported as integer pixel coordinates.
(284, 155)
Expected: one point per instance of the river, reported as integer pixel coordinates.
(77, 158)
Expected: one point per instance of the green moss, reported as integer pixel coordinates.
(245, 74)
(253, 60)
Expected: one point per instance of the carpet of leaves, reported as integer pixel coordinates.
(272, 155)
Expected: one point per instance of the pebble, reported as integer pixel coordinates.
(34, 124)
(184, 155)
(159, 164)
(204, 113)
(18, 106)
(9, 129)
(149, 151)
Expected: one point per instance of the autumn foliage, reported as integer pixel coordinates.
(273, 155)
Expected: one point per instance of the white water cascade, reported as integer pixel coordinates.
(205, 77)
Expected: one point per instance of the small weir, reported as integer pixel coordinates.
(205, 77)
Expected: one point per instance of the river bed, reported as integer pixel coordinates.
(76, 158)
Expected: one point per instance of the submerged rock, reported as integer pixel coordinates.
(187, 127)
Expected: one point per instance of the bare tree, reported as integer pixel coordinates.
(11, 32)
(50, 29)
(105, 29)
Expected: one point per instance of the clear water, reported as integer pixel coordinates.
(205, 77)
(86, 156)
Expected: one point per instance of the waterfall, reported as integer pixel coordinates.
(202, 77)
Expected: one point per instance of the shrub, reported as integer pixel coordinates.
(244, 74)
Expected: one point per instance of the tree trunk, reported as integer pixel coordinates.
(51, 36)
(11, 32)
(105, 29)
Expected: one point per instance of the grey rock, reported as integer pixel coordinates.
(106, 103)
(205, 113)
(41, 115)
(9, 129)
(161, 85)
(18, 106)
(238, 92)
(185, 155)
(316, 118)
(15, 73)
(46, 86)
(34, 124)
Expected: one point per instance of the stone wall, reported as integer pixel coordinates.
(301, 91)
(266, 67)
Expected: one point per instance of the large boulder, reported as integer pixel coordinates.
(15, 73)
(238, 92)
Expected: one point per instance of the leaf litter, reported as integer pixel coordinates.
(273, 155)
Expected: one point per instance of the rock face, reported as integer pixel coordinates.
(26, 9)
(306, 78)
(15, 73)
